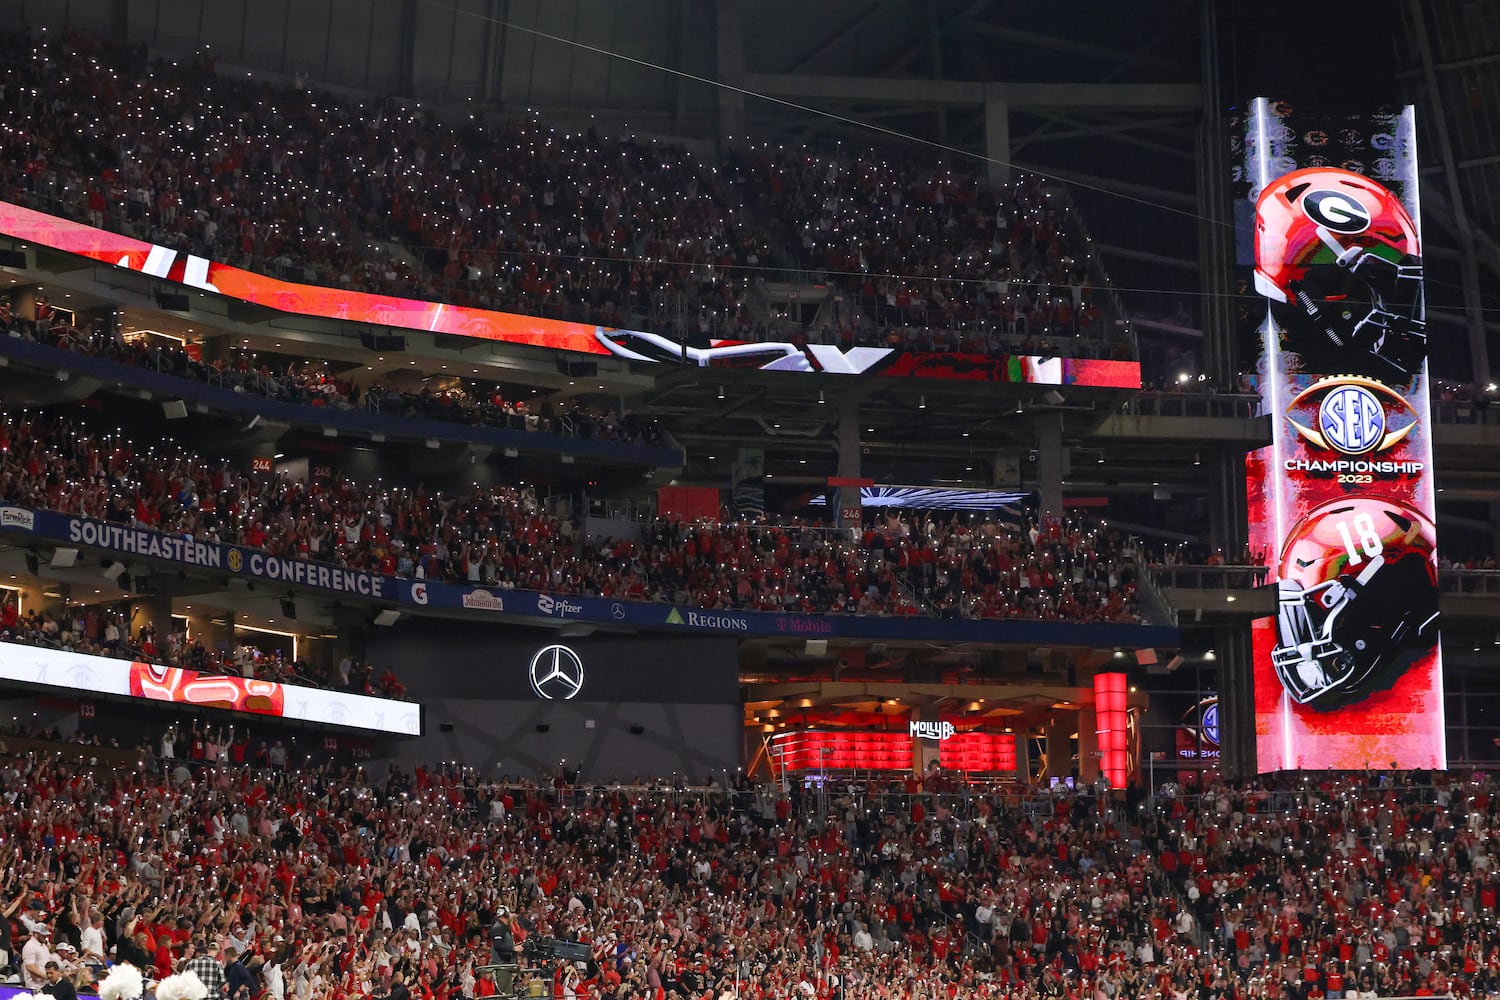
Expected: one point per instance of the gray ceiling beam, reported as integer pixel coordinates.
(1472, 62)
(1479, 355)
(1145, 192)
(1435, 204)
(1035, 39)
(1074, 128)
(1126, 253)
(1120, 96)
(838, 37)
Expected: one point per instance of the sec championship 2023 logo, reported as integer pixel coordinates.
(1351, 415)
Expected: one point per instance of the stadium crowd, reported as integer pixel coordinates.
(381, 197)
(309, 382)
(329, 883)
(935, 259)
(503, 537)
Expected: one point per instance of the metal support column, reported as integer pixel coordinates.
(997, 139)
(406, 84)
(730, 52)
(1051, 465)
(1236, 700)
(1479, 354)
(1228, 514)
(850, 459)
(1221, 350)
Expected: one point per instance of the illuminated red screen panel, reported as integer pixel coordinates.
(1112, 723)
(991, 753)
(814, 750)
(583, 338)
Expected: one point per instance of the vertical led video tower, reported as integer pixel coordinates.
(1348, 674)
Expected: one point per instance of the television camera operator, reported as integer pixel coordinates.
(502, 939)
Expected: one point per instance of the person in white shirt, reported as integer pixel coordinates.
(34, 958)
(275, 982)
(91, 940)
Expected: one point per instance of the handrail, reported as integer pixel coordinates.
(1454, 579)
(1202, 577)
(1238, 406)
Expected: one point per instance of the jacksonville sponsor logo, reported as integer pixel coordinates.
(1351, 416)
(17, 517)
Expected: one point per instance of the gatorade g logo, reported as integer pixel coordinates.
(1336, 211)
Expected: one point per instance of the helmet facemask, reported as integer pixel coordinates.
(1341, 641)
(1363, 301)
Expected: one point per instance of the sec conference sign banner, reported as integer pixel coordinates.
(1349, 672)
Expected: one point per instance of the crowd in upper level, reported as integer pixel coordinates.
(502, 536)
(101, 630)
(383, 197)
(332, 885)
(308, 382)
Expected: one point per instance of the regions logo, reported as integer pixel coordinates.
(1352, 416)
(483, 600)
(17, 517)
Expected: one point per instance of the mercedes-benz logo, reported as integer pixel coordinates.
(618, 611)
(556, 673)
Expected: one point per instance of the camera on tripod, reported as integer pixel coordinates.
(555, 950)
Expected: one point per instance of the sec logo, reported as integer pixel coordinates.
(1352, 419)
(1211, 723)
(236, 561)
(1351, 415)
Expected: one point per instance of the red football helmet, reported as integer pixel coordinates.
(1341, 254)
(1358, 590)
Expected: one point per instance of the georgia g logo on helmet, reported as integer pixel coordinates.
(1340, 259)
(1336, 211)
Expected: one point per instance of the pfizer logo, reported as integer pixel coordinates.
(1352, 420)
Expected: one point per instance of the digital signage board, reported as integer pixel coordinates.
(1348, 674)
(86, 674)
(645, 347)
